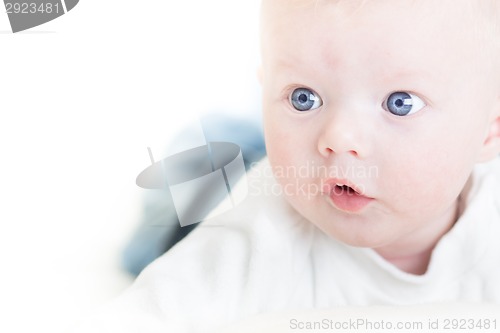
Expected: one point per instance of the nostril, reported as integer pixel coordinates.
(329, 151)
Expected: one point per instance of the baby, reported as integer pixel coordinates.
(382, 126)
(411, 88)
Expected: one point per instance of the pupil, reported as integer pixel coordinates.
(303, 98)
(399, 103)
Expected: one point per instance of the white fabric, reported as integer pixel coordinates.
(264, 257)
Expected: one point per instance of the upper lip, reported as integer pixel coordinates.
(329, 185)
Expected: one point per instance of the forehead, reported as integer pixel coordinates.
(399, 32)
(282, 11)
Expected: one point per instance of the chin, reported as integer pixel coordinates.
(365, 243)
(361, 240)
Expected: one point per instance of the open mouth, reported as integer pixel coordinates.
(340, 189)
(347, 198)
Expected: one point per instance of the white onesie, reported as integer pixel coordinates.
(264, 257)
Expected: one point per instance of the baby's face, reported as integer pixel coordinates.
(393, 98)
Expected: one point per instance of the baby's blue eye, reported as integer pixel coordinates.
(401, 103)
(303, 99)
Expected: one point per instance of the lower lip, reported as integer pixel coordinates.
(350, 202)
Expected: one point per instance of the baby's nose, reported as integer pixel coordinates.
(345, 131)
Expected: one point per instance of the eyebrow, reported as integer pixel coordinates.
(287, 63)
(399, 72)
(402, 74)
(421, 77)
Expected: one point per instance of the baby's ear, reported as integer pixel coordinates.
(491, 146)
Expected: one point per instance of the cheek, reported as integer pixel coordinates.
(433, 159)
(283, 144)
(282, 150)
(428, 177)
(277, 152)
(290, 154)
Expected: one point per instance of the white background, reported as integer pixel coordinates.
(81, 98)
